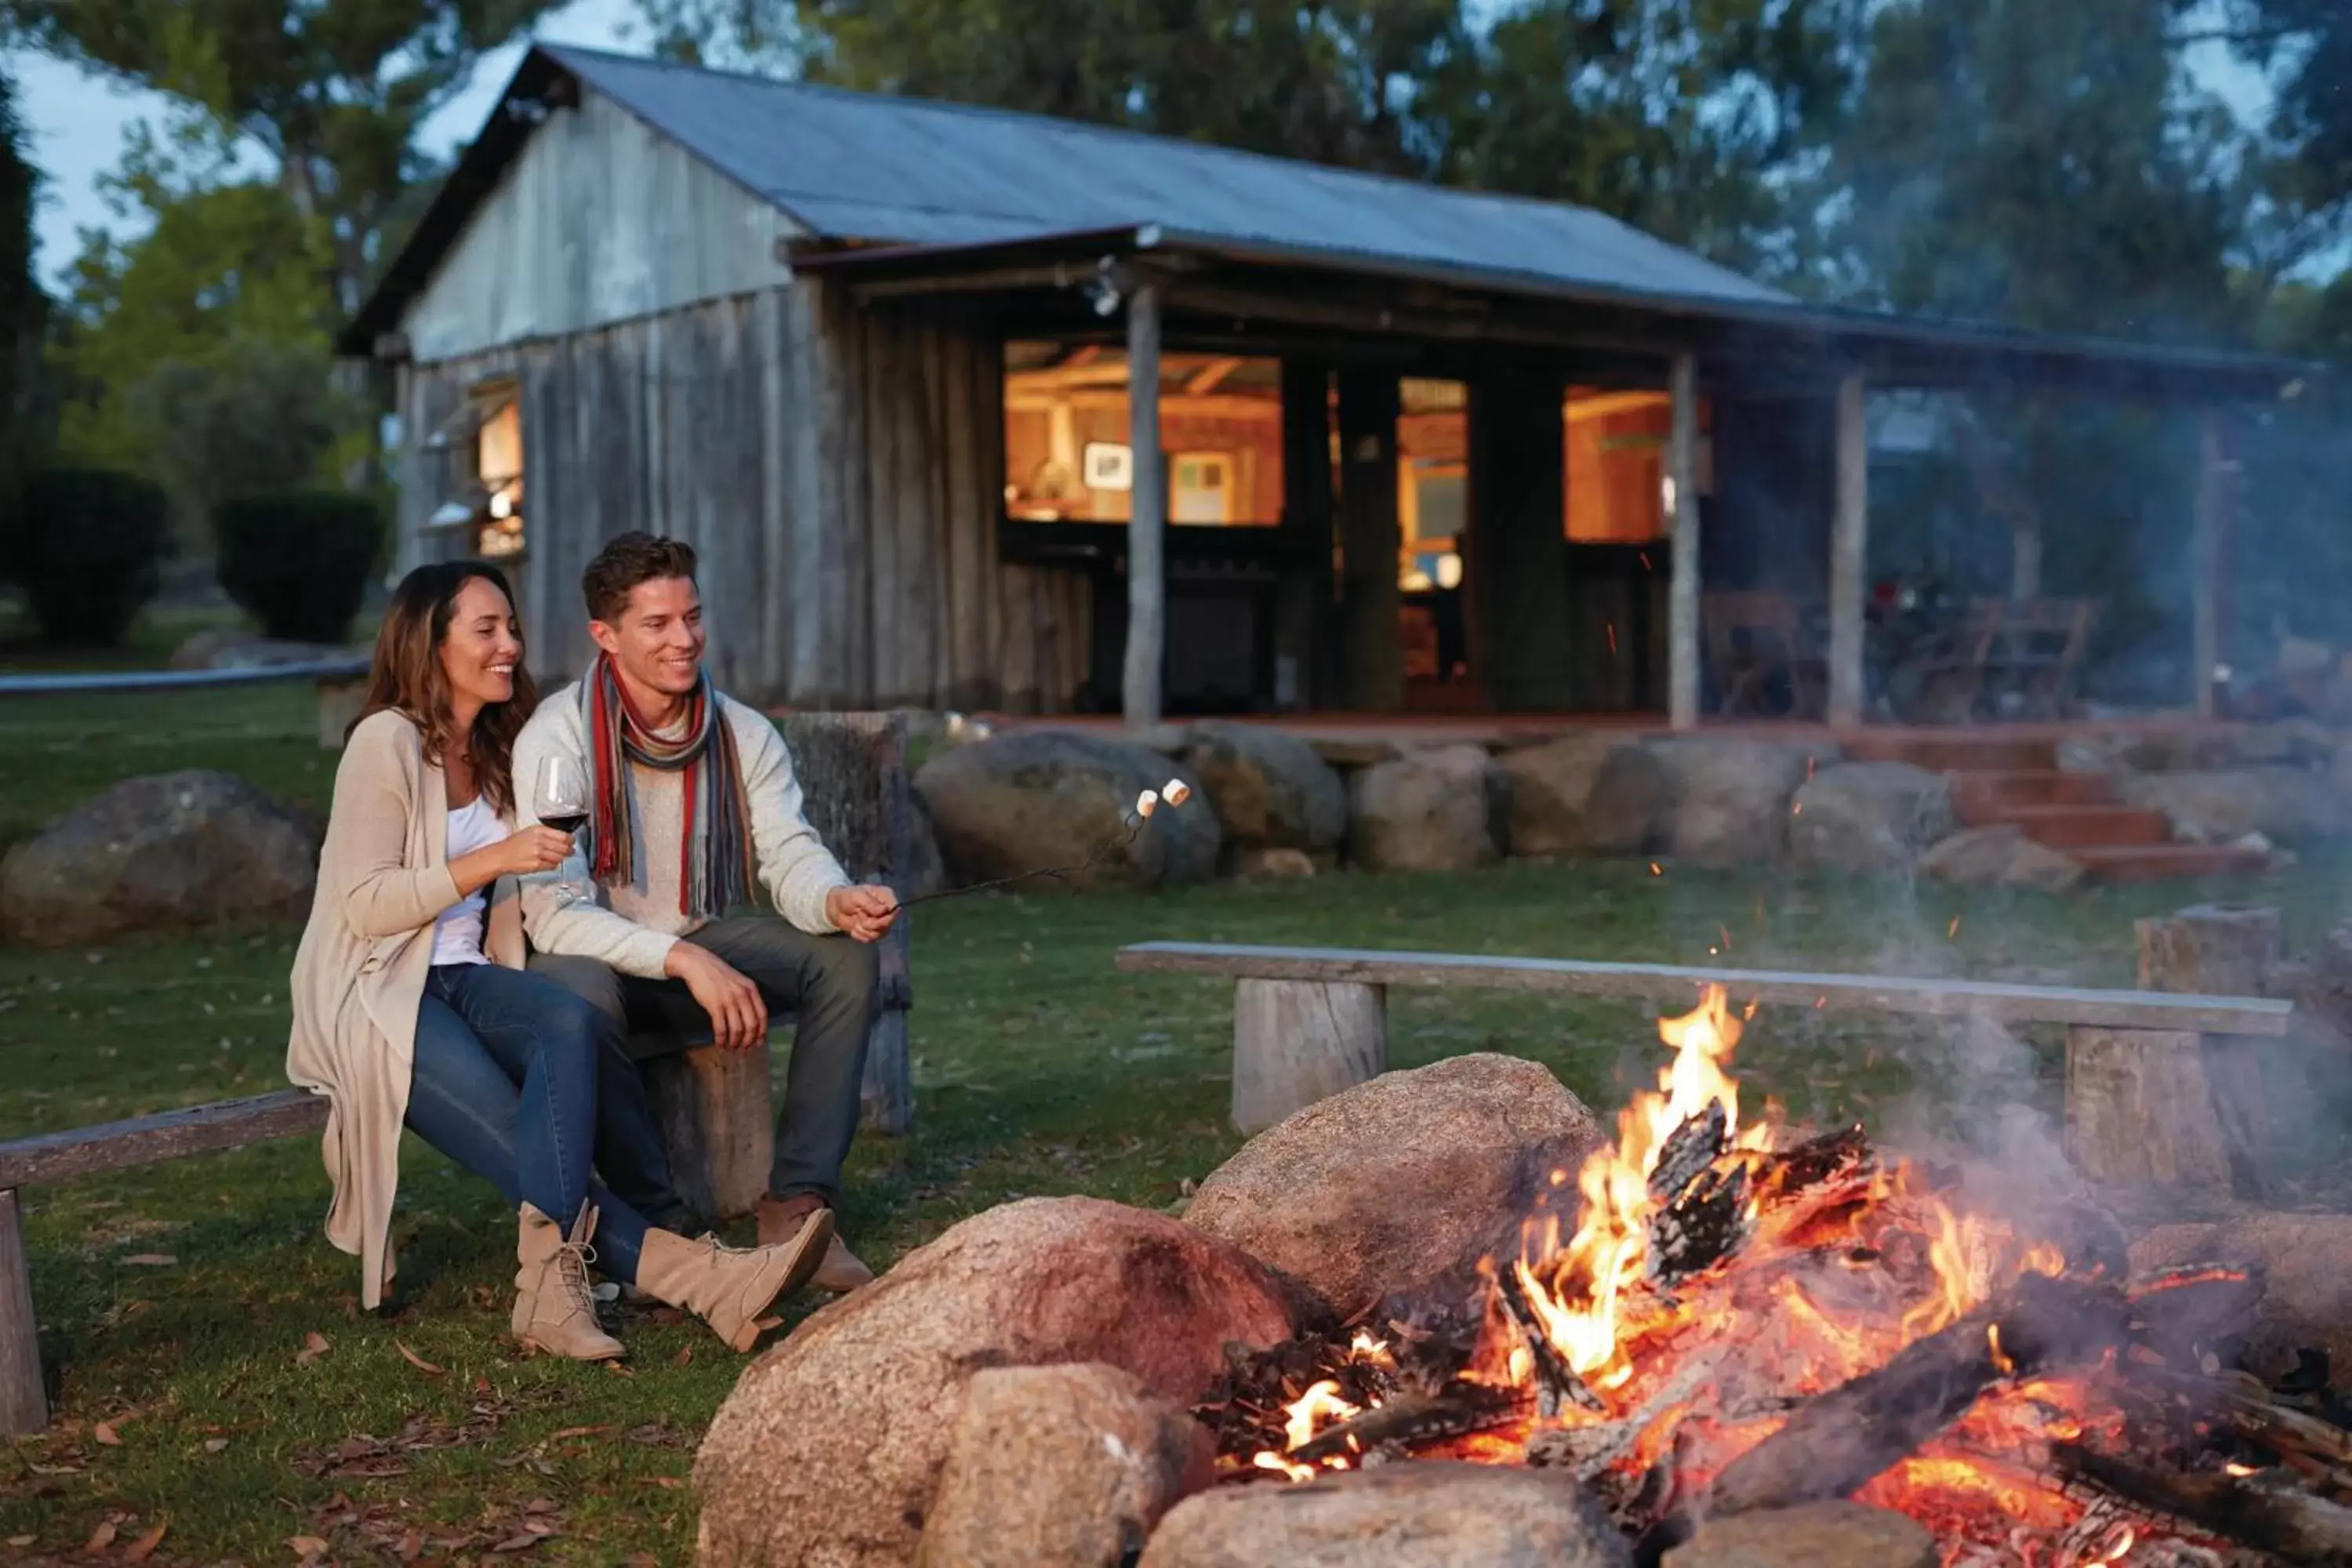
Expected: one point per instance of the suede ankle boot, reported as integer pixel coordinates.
(554, 1308)
(731, 1289)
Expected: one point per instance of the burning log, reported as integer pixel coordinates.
(1557, 1385)
(1705, 1225)
(2290, 1524)
(1464, 1408)
(1812, 1162)
(1688, 1150)
(1839, 1442)
(2184, 1315)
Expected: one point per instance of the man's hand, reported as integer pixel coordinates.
(739, 1015)
(863, 914)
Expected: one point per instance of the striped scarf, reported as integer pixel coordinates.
(715, 869)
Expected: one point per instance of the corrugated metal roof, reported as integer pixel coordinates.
(854, 165)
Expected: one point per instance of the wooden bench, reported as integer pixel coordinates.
(713, 1105)
(2150, 1100)
(89, 1151)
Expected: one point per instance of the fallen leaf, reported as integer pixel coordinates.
(215, 1445)
(579, 1432)
(642, 1560)
(27, 1541)
(314, 1345)
(412, 1546)
(668, 1483)
(151, 1260)
(144, 1547)
(518, 1543)
(617, 1369)
(418, 1361)
(99, 1539)
(685, 1355)
(105, 1435)
(306, 1545)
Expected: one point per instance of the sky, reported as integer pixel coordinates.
(77, 121)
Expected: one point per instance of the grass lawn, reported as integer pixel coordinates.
(188, 1303)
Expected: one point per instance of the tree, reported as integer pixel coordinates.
(1690, 119)
(211, 326)
(331, 90)
(2039, 165)
(2306, 46)
(24, 308)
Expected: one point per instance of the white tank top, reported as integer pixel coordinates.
(458, 934)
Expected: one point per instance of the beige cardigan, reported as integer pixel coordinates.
(359, 976)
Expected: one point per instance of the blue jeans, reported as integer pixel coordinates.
(524, 1084)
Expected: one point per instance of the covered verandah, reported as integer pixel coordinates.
(1762, 477)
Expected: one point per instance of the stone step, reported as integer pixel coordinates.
(2072, 827)
(2163, 862)
(1950, 753)
(1978, 797)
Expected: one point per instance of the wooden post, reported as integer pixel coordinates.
(1371, 602)
(1146, 577)
(1682, 603)
(2139, 1115)
(2204, 566)
(857, 793)
(24, 1401)
(712, 1105)
(1526, 653)
(1296, 1042)
(2177, 1112)
(1849, 553)
(1306, 625)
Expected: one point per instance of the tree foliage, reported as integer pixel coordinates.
(2039, 165)
(332, 91)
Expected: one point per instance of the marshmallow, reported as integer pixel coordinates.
(1147, 803)
(1177, 792)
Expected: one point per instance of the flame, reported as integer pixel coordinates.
(1607, 1254)
(1838, 1271)
(1319, 1407)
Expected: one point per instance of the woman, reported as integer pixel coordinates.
(410, 1004)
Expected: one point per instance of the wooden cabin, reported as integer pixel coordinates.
(983, 411)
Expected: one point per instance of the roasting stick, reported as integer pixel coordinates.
(1174, 796)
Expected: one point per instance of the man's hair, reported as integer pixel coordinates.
(624, 562)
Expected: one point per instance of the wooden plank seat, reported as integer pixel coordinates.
(2158, 1092)
(713, 1105)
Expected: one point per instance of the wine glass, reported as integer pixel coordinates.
(560, 796)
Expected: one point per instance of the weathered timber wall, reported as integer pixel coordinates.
(839, 470)
(601, 219)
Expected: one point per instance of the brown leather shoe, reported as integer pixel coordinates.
(781, 1219)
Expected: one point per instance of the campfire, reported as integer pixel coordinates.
(1719, 1314)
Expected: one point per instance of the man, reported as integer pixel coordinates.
(691, 806)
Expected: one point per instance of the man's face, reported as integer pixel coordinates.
(658, 640)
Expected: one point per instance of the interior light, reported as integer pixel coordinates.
(1449, 571)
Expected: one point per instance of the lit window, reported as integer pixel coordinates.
(498, 474)
(1067, 452)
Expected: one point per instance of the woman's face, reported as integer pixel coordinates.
(482, 647)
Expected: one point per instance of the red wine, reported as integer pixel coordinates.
(565, 821)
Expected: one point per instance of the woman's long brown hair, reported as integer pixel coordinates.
(406, 677)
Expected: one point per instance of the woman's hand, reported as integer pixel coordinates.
(522, 854)
(534, 850)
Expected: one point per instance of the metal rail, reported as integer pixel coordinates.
(94, 683)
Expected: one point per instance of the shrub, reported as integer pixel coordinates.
(87, 546)
(299, 562)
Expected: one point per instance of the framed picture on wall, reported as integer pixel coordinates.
(1109, 466)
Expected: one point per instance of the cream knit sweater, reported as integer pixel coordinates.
(633, 926)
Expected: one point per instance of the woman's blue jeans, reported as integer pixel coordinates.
(526, 1085)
